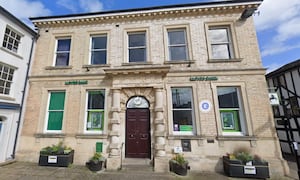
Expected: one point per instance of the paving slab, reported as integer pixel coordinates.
(32, 171)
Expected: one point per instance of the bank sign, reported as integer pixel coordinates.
(203, 78)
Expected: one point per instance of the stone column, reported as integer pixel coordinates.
(161, 163)
(114, 159)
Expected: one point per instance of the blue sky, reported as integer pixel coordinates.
(277, 24)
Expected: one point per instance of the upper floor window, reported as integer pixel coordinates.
(63, 47)
(6, 77)
(177, 44)
(11, 40)
(182, 108)
(98, 49)
(137, 47)
(220, 42)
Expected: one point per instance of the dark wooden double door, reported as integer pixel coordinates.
(138, 138)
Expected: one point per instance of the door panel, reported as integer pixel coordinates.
(137, 133)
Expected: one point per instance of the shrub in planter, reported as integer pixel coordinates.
(96, 162)
(179, 165)
(243, 164)
(56, 155)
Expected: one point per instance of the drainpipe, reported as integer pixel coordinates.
(23, 96)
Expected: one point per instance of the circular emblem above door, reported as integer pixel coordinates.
(137, 102)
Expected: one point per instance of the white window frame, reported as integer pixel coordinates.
(55, 49)
(178, 45)
(245, 119)
(91, 50)
(14, 39)
(231, 36)
(193, 112)
(86, 112)
(6, 80)
(126, 44)
(240, 112)
(47, 113)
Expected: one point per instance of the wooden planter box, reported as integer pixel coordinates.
(235, 168)
(61, 160)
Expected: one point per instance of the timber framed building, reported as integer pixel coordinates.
(138, 83)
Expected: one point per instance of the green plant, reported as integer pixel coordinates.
(179, 159)
(57, 149)
(244, 156)
(97, 157)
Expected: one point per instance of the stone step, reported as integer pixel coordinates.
(137, 165)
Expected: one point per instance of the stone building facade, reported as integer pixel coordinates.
(140, 83)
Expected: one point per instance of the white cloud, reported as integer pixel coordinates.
(273, 67)
(276, 12)
(288, 30)
(281, 22)
(91, 5)
(71, 5)
(273, 49)
(76, 6)
(23, 9)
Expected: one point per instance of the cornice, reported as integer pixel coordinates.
(142, 14)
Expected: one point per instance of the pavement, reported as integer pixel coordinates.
(32, 171)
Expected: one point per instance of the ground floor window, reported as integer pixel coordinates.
(95, 110)
(182, 109)
(55, 111)
(230, 110)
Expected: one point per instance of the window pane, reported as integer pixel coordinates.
(55, 120)
(182, 120)
(99, 42)
(57, 100)
(182, 97)
(137, 39)
(94, 121)
(178, 53)
(62, 59)
(220, 51)
(137, 55)
(218, 35)
(96, 99)
(98, 57)
(63, 44)
(177, 37)
(228, 97)
(6, 91)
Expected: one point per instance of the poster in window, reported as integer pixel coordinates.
(95, 119)
(227, 120)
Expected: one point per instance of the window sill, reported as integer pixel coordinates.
(91, 136)
(57, 67)
(95, 65)
(8, 98)
(136, 63)
(11, 52)
(180, 62)
(194, 137)
(236, 138)
(49, 135)
(224, 60)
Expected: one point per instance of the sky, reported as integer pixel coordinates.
(277, 22)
